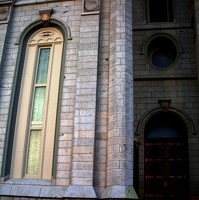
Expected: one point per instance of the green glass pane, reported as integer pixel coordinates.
(43, 66)
(34, 152)
(38, 106)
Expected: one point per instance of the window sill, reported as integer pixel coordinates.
(165, 25)
(31, 188)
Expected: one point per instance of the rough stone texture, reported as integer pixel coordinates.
(33, 190)
(196, 17)
(100, 100)
(71, 11)
(120, 127)
(78, 191)
(120, 136)
(3, 29)
(85, 109)
(177, 83)
(120, 192)
(4, 85)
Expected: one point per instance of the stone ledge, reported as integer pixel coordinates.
(119, 192)
(29, 188)
(78, 191)
(5, 1)
(27, 2)
(162, 25)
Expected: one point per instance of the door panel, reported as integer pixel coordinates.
(166, 170)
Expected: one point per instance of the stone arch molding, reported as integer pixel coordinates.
(65, 28)
(164, 43)
(183, 115)
(46, 35)
(151, 37)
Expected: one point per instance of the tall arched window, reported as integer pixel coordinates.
(34, 133)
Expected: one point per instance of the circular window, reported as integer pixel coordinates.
(161, 51)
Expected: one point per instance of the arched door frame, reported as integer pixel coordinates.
(183, 115)
(140, 133)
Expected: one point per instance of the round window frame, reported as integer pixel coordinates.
(174, 41)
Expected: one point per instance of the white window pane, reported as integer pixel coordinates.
(43, 66)
(34, 152)
(38, 106)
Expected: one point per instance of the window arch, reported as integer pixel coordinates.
(33, 113)
(140, 130)
(36, 115)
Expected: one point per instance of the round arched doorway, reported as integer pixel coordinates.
(166, 158)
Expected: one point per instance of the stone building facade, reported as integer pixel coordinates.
(99, 99)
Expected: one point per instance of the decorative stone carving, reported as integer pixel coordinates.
(46, 35)
(164, 104)
(4, 13)
(45, 16)
(91, 5)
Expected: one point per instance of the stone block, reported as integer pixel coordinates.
(52, 191)
(119, 192)
(75, 191)
(25, 190)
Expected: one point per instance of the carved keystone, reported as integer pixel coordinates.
(164, 104)
(45, 16)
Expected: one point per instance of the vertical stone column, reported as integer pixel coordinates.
(196, 17)
(197, 32)
(120, 133)
(5, 12)
(85, 105)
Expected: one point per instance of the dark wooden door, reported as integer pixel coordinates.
(166, 170)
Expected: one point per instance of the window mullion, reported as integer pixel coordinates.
(48, 81)
(34, 156)
(168, 15)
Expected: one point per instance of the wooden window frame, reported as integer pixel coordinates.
(170, 12)
(46, 37)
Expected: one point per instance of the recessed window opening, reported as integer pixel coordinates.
(36, 122)
(35, 129)
(160, 10)
(161, 52)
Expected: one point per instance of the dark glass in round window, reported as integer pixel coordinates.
(161, 58)
(162, 52)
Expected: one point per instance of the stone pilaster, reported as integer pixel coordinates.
(120, 133)
(194, 189)
(85, 108)
(197, 32)
(5, 11)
